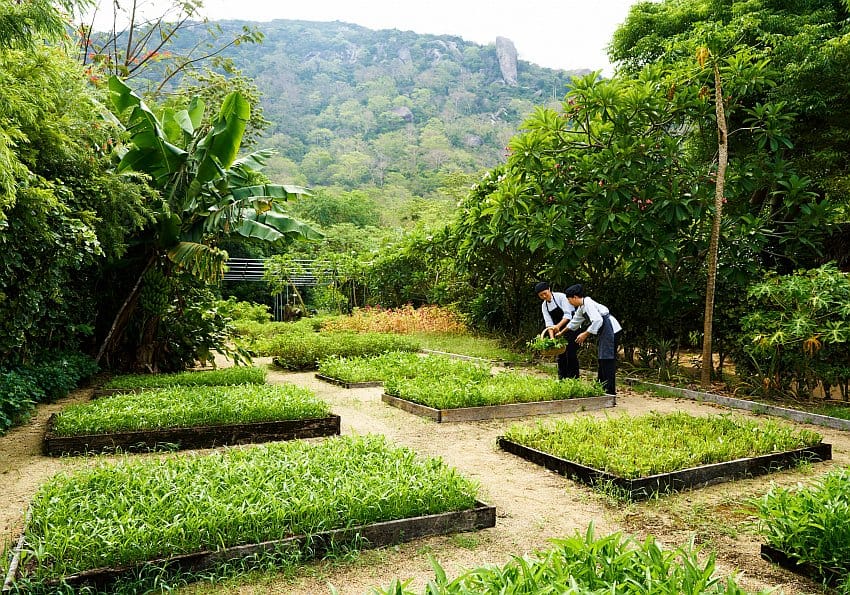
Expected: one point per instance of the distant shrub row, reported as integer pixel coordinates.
(304, 351)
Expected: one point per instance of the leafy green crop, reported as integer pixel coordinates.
(371, 368)
(136, 510)
(222, 377)
(811, 523)
(545, 343)
(464, 384)
(632, 447)
(586, 565)
(305, 351)
(190, 406)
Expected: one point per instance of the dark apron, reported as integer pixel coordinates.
(567, 361)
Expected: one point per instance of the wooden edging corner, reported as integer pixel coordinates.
(344, 384)
(375, 535)
(783, 560)
(752, 406)
(645, 487)
(501, 411)
(193, 437)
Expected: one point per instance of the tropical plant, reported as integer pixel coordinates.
(206, 194)
(796, 336)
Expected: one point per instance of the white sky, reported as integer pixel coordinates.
(564, 34)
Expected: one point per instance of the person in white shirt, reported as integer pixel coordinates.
(557, 312)
(603, 325)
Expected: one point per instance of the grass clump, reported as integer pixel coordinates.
(586, 564)
(811, 524)
(305, 351)
(186, 406)
(220, 377)
(632, 447)
(128, 512)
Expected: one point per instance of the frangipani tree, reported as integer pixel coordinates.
(206, 194)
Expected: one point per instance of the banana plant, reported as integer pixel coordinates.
(206, 192)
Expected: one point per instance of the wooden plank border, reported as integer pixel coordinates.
(642, 488)
(344, 384)
(501, 411)
(835, 423)
(375, 535)
(806, 569)
(193, 437)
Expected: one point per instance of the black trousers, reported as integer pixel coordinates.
(568, 361)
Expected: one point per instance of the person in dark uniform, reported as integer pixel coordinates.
(557, 312)
(603, 325)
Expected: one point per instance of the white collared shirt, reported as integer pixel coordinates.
(560, 300)
(592, 311)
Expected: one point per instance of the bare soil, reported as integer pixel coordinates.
(533, 505)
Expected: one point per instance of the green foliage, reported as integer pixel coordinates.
(222, 377)
(244, 311)
(305, 351)
(113, 514)
(53, 377)
(807, 43)
(811, 523)
(467, 384)
(372, 368)
(61, 208)
(190, 406)
(797, 333)
(545, 343)
(632, 447)
(587, 564)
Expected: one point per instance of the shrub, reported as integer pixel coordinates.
(22, 388)
(244, 311)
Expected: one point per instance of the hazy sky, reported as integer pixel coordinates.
(552, 33)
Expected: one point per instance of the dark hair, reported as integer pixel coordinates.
(574, 291)
(542, 286)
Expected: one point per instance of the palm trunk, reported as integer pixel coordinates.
(714, 243)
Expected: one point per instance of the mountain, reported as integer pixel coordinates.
(354, 107)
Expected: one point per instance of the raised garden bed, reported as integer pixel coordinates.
(743, 404)
(187, 438)
(645, 487)
(135, 383)
(507, 410)
(808, 570)
(190, 417)
(345, 384)
(372, 536)
(190, 511)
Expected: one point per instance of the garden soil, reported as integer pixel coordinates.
(532, 504)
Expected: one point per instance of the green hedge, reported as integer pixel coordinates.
(22, 388)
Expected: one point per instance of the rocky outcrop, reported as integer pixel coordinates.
(403, 112)
(506, 52)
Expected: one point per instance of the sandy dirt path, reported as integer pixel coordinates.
(533, 505)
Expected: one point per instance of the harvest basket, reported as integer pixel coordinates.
(553, 351)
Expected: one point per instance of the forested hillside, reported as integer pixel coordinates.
(353, 107)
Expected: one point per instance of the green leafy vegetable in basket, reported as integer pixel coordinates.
(546, 343)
